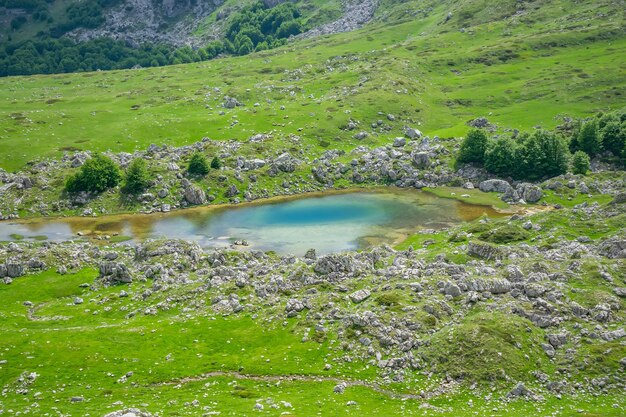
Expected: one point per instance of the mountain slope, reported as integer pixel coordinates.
(519, 71)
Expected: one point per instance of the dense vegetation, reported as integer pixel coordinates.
(97, 174)
(256, 27)
(546, 154)
(137, 178)
(198, 165)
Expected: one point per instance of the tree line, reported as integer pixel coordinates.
(545, 154)
(254, 28)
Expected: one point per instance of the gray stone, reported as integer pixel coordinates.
(452, 289)
(399, 142)
(483, 250)
(14, 270)
(421, 159)
(412, 133)
(498, 186)
(194, 195)
(360, 296)
(614, 248)
(529, 192)
(114, 272)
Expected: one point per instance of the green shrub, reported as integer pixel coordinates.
(500, 156)
(541, 155)
(96, 175)
(198, 164)
(613, 133)
(216, 163)
(137, 178)
(388, 299)
(505, 234)
(473, 147)
(580, 163)
(588, 140)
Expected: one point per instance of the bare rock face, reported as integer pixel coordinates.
(141, 21)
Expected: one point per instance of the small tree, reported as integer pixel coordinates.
(473, 147)
(500, 156)
(613, 136)
(137, 178)
(588, 139)
(216, 163)
(580, 163)
(198, 164)
(96, 175)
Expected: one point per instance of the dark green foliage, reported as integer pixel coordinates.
(588, 140)
(473, 147)
(18, 22)
(96, 175)
(254, 28)
(257, 27)
(388, 299)
(198, 165)
(137, 178)
(505, 234)
(63, 55)
(580, 163)
(531, 157)
(541, 155)
(500, 156)
(216, 163)
(612, 129)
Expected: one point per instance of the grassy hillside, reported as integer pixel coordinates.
(519, 69)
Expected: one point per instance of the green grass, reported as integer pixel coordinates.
(475, 196)
(76, 352)
(400, 68)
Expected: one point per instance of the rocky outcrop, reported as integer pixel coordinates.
(614, 248)
(194, 195)
(483, 250)
(115, 273)
(498, 186)
(141, 21)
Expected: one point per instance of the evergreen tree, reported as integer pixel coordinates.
(216, 163)
(473, 147)
(96, 175)
(580, 163)
(588, 139)
(198, 165)
(500, 156)
(137, 178)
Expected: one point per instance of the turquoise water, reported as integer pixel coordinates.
(328, 223)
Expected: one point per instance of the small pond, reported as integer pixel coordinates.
(327, 223)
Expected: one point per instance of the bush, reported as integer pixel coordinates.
(613, 136)
(588, 139)
(137, 178)
(541, 155)
(500, 157)
(505, 234)
(198, 164)
(473, 147)
(580, 163)
(96, 175)
(216, 163)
